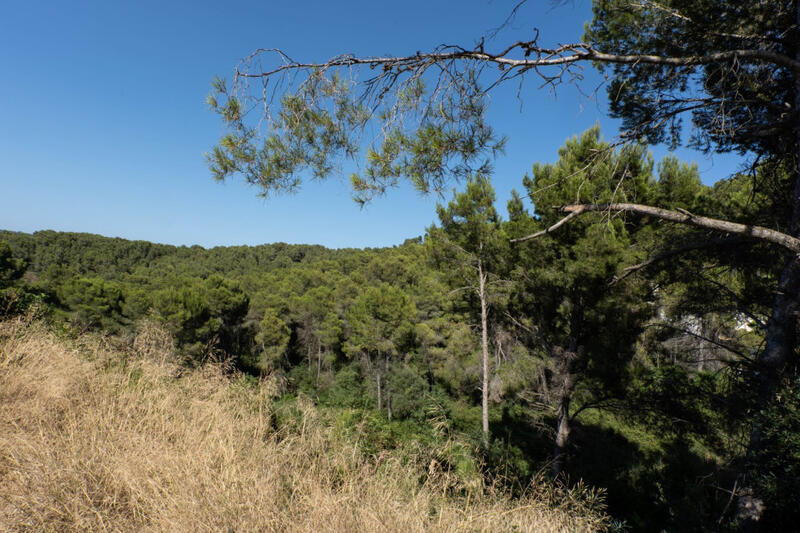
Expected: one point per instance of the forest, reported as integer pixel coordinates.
(619, 342)
(602, 365)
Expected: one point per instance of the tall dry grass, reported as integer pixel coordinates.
(96, 440)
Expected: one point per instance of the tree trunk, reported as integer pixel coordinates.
(781, 334)
(388, 392)
(563, 426)
(319, 361)
(485, 354)
(378, 378)
(780, 337)
(566, 359)
(770, 369)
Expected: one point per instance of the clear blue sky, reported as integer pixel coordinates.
(103, 122)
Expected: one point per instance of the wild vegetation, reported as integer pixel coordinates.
(632, 329)
(606, 365)
(729, 69)
(95, 437)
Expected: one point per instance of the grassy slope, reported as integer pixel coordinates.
(96, 439)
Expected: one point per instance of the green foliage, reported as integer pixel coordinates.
(587, 325)
(409, 391)
(653, 481)
(347, 389)
(674, 401)
(610, 310)
(93, 302)
(11, 268)
(679, 186)
(321, 121)
(330, 325)
(649, 97)
(15, 296)
(380, 322)
(202, 315)
(470, 231)
(273, 337)
(776, 466)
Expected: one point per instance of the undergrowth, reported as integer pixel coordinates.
(98, 437)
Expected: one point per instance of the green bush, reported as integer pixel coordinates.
(408, 392)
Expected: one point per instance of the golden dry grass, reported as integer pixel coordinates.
(92, 440)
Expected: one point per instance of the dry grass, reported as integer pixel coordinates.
(91, 440)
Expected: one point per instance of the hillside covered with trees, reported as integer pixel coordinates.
(590, 353)
(621, 343)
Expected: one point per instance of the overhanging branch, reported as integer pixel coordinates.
(542, 57)
(681, 217)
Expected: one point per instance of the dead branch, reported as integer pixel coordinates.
(543, 57)
(548, 230)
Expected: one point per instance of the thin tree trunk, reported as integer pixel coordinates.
(388, 393)
(563, 426)
(485, 353)
(319, 361)
(380, 391)
(567, 360)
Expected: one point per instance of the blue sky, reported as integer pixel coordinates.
(103, 122)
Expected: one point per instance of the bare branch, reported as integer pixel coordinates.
(724, 226)
(548, 230)
(509, 19)
(563, 55)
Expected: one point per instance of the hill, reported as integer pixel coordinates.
(101, 438)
